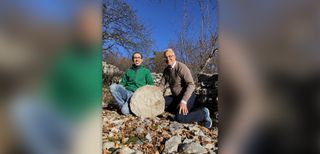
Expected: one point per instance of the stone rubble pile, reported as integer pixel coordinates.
(110, 73)
(109, 69)
(155, 135)
(208, 89)
(156, 78)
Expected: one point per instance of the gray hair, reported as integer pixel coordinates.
(167, 50)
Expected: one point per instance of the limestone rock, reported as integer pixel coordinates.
(109, 69)
(110, 73)
(175, 126)
(126, 150)
(209, 146)
(108, 145)
(147, 101)
(187, 140)
(172, 144)
(192, 148)
(148, 137)
(139, 130)
(211, 152)
(156, 79)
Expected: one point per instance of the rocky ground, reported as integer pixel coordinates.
(130, 134)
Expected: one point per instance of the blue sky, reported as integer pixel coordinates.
(47, 10)
(164, 19)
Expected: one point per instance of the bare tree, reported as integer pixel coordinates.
(210, 63)
(158, 63)
(200, 53)
(122, 29)
(117, 60)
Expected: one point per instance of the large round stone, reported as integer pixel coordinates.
(147, 101)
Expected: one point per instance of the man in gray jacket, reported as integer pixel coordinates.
(182, 86)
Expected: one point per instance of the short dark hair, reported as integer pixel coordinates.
(136, 53)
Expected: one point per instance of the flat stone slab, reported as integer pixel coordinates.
(147, 102)
(192, 148)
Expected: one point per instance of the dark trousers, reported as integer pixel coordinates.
(194, 114)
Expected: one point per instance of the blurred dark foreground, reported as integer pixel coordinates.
(269, 92)
(50, 76)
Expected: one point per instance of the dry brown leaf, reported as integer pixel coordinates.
(106, 152)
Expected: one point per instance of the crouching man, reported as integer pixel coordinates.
(182, 86)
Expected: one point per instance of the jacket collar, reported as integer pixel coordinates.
(134, 66)
(173, 65)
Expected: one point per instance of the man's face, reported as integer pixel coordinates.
(170, 58)
(137, 60)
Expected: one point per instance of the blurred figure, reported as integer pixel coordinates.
(25, 52)
(269, 73)
(75, 83)
(56, 108)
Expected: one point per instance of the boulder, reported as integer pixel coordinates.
(147, 102)
(126, 150)
(172, 144)
(192, 148)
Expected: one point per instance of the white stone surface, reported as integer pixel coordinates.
(147, 102)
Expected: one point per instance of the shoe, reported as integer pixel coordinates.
(207, 120)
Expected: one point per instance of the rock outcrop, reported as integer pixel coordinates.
(192, 148)
(172, 144)
(157, 78)
(207, 90)
(110, 73)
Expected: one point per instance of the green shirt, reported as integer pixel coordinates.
(134, 79)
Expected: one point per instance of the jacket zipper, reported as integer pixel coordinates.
(135, 74)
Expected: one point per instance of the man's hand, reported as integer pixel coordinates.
(158, 87)
(183, 108)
